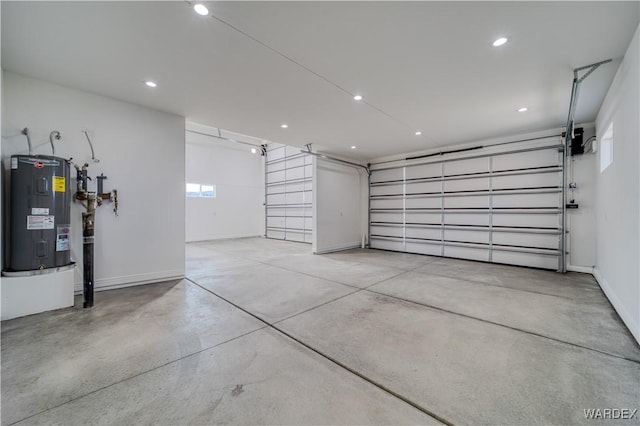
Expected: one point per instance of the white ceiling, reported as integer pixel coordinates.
(419, 65)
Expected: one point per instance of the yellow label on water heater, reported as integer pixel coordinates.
(59, 184)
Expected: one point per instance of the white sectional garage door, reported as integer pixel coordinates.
(288, 205)
(498, 204)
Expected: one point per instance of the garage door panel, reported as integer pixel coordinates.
(296, 174)
(424, 248)
(275, 153)
(377, 203)
(426, 218)
(275, 222)
(475, 184)
(475, 201)
(481, 208)
(466, 219)
(424, 203)
(390, 231)
(276, 199)
(424, 233)
(308, 223)
(295, 198)
(526, 240)
(274, 167)
(299, 211)
(387, 190)
(431, 187)
(291, 151)
(275, 189)
(278, 176)
(471, 253)
(462, 167)
(275, 234)
(472, 236)
(295, 162)
(276, 210)
(387, 217)
(288, 193)
(525, 259)
(387, 245)
(526, 200)
(526, 220)
(293, 235)
(295, 223)
(295, 187)
(531, 159)
(539, 180)
(387, 175)
(424, 171)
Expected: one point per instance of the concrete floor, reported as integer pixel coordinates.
(264, 332)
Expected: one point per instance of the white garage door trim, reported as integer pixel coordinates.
(500, 204)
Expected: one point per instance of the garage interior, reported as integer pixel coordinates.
(320, 213)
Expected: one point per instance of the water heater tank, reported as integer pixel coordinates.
(40, 212)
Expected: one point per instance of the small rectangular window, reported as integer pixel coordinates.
(208, 191)
(197, 190)
(606, 148)
(193, 190)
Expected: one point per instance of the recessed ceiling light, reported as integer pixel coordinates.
(353, 147)
(151, 83)
(284, 126)
(254, 151)
(500, 41)
(523, 109)
(357, 97)
(418, 133)
(201, 9)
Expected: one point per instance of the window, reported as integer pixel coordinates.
(201, 191)
(606, 149)
(208, 191)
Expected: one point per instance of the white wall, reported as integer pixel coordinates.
(581, 240)
(237, 210)
(337, 217)
(617, 194)
(142, 153)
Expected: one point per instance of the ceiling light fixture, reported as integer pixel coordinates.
(499, 42)
(523, 109)
(353, 147)
(284, 126)
(418, 133)
(357, 98)
(254, 151)
(201, 9)
(150, 83)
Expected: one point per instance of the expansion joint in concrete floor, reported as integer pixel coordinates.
(329, 358)
(498, 286)
(140, 373)
(501, 325)
(368, 289)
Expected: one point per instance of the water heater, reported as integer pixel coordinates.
(40, 213)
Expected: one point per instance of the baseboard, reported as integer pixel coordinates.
(338, 248)
(241, 237)
(582, 269)
(132, 280)
(627, 318)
